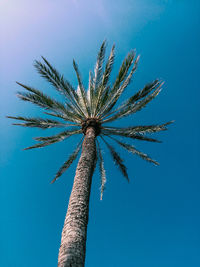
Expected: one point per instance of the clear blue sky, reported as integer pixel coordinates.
(152, 221)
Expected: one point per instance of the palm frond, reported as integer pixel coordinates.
(143, 92)
(52, 75)
(123, 71)
(117, 159)
(81, 91)
(133, 150)
(134, 107)
(144, 138)
(101, 93)
(39, 98)
(102, 171)
(108, 68)
(90, 87)
(125, 83)
(121, 89)
(64, 117)
(81, 101)
(68, 162)
(140, 129)
(139, 95)
(91, 94)
(101, 78)
(121, 82)
(63, 86)
(38, 122)
(103, 100)
(128, 135)
(48, 140)
(42, 144)
(98, 67)
(42, 100)
(61, 136)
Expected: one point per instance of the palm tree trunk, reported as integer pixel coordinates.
(73, 241)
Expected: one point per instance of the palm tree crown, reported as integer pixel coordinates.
(94, 107)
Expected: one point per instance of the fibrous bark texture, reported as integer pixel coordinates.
(73, 241)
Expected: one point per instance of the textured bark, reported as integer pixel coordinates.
(73, 241)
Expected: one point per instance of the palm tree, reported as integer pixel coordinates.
(87, 113)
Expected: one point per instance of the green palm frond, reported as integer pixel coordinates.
(42, 144)
(64, 117)
(129, 109)
(60, 136)
(48, 140)
(57, 109)
(40, 99)
(38, 122)
(91, 94)
(102, 171)
(143, 92)
(129, 135)
(139, 95)
(144, 138)
(99, 67)
(123, 71)
(81, 90)
(140, 129)
(117, 159)
(52, 75)
(68, 162)
(98, 75)
(108, 68)
(117, 90)
(121, 89)
(102, 88)
(133, 150)
(58, 81)
(103, 100)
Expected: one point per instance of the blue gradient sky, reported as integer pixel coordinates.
(152, 221)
